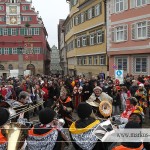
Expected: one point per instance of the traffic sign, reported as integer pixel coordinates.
(119, 75)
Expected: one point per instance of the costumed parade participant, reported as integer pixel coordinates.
(81, 131)
(77, 94)
(100, 102)
(4, 116)
(65, 108)
(45, 135)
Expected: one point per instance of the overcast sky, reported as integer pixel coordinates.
(51, 11)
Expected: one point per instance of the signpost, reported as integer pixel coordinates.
(119, 76)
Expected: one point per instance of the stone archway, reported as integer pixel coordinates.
(32, 68)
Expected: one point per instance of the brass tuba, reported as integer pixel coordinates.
(15, 134)
(105, 108)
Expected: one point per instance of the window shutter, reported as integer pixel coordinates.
(79, 18)
(1, 31)
(93, 12)
(125, 4)
(87, 40)
(86, 15)
(148, 29)
(81, 41)
(133, 31)
(17, 31)
(112, 7)
(103, 37)
(9, 31)
(32, 31)
(30, 18)
(25, 31)
(113, 34)
(27, 7)
(95, 38)
(22, 31)
(75, 43)
(132, 3)
(125, 32)
(10, 50)
(2, 50)
(100, 8)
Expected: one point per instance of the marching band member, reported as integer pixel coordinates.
(44, 135)
(96, 98)
(65, 108)
(81, 131)
(4, 116)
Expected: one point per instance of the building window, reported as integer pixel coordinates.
(84, 40)
(100, 37)
(1, 8)
(82, 17)
(119, 5)
(121, 63)
(119, 33)
(76, 20)
(10, 67)
(2, 19)
(140, 2)
(26, 18)
(92, 39)
(14, 50)
(97, 10)
(36, 31)
(78, 42)
(25, 7)
(80, 61)
(13, 31)
(90, 60)
(141, 30)
(2, 67)
(84, 61)
(90, 13)
(141, 64)
(29, 31)
(95, 60)
(102, 60)
(6, 51)
(5, 31)
(37, 50)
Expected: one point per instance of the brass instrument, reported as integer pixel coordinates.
(105, 108)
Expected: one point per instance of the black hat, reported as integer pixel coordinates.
(46, 115)
(4, 116)
(84, 110)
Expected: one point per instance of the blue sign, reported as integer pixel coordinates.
(119, 75)
(119, 72)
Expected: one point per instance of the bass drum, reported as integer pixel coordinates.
(105, 108)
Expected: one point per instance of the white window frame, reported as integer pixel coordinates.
(14, 51)
(90, 13)
(37, 50)
(122, 66)
(90, 60)
(141, 65)
(95, 60)
(78, 42)
(36, 31)
(119, 3)
(97, 10)
(99, 37)
(5, 31)
(82, 17)
(6, 51)
(29, 31)
(119, 30)
(84, 60)
(137, 31)
(92, 38)
(141, 3)
(102, 60)
(84, 40)
(13, 31)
